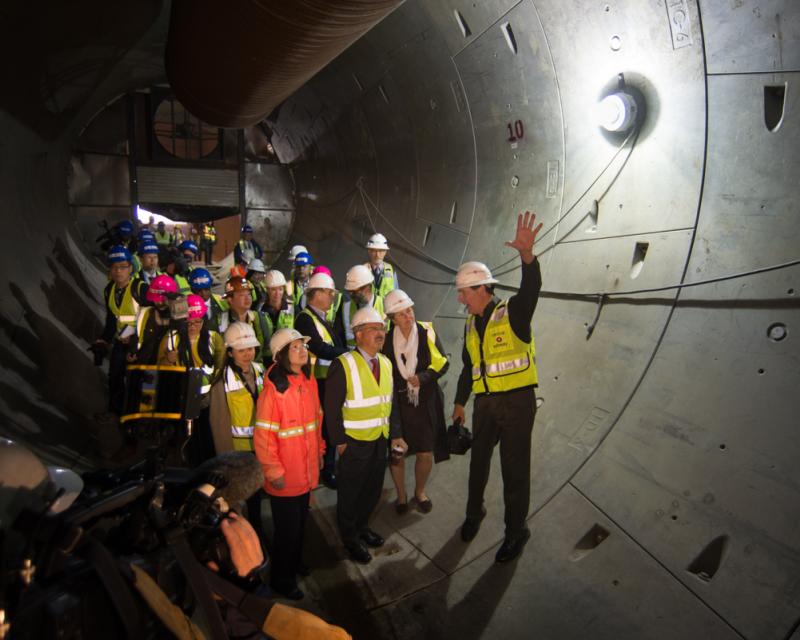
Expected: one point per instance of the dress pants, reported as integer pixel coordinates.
(254, 513)
(329, 459)
(117, 363)
(361, 470)
(506, 418)
(289, 515)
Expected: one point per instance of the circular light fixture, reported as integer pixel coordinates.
(616, 112)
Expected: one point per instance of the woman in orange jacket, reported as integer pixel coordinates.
(288, 443)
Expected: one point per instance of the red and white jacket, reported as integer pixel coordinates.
(288, 435)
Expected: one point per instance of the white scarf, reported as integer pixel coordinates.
(405, 354)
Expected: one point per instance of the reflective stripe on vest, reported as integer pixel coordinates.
(350, 310)
(367, 404)
(127, 311)
(173, 341)
(319, 365)
(241, 407)
(502, 362)
(438, 361)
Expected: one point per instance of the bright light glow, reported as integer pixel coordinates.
(144, 216)
(616, 112)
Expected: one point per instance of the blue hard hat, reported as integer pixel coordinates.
(125, 227)
(188, 245)
(247, 229)
(148, 247)
(118, 253)
(199, 278)
(303, 258)
(146, 233)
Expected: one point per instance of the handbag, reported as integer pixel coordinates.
(459, 438)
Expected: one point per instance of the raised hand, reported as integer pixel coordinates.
(526, 236)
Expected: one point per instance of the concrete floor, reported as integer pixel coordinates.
(425, 582)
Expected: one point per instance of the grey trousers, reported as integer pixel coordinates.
(506, 418)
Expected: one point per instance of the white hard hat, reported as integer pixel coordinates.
(256, 265)
(472, 274)
(240, 335)
(357, 277)
(275, 279)
(367, 315)
(377, 241)
(396, 300)
(282, 337)
(298, 248)
(320, 281)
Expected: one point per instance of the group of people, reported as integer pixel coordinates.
(327, 385)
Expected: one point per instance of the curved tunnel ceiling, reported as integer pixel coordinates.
(664, 472)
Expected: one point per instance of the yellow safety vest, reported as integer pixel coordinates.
(437, 359)
(502, 362)
(171, 341)
(330, 314)
(241, 407)
(387, 279)
(127, 311)
(297, 291)
(350, 310)
(183, 284)
(319, 365)
(367, 404)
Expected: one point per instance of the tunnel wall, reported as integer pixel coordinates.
(672, 425)
(675, 419)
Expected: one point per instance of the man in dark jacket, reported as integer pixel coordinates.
(123, 297)
(500, 369)
(326, 345)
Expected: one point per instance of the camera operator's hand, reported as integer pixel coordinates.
(243, 543)
(278, 483)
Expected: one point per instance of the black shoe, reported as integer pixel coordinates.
(371, 538)
(291, 592)
(358, 552)
(470, 527)
(303, 570)
(512, 547)
(329, 480)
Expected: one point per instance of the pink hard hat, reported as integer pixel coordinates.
(197, 306)
(322, 269)
(160, 286)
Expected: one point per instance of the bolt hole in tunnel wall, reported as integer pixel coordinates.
(637, 133)
(671, 426)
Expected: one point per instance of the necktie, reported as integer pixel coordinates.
(376, 369)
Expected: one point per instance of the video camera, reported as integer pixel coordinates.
(69, 571)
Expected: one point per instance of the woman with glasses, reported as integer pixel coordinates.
(288, 443)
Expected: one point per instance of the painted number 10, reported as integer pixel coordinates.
(515, 131)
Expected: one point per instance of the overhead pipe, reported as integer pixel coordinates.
(231, 64)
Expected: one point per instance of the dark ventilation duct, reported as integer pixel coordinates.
(231, 65)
